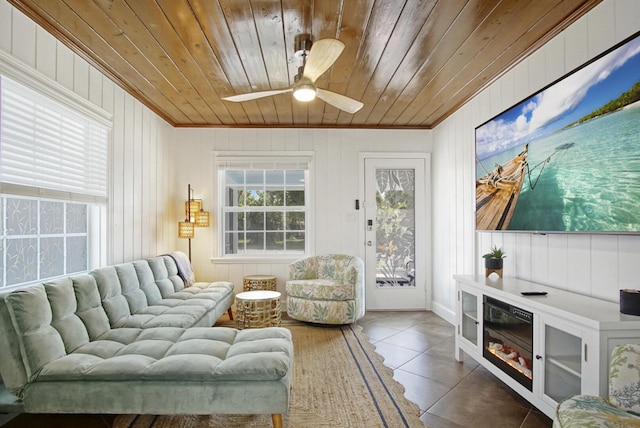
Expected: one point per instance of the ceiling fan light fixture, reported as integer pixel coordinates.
(304, 93)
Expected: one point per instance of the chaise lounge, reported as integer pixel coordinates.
(132, 339)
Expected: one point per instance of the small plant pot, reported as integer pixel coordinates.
(493, 263)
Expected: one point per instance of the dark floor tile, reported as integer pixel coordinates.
(536, 419)
(395, 356)
(479, 401)
(433, 421)
(377, 332)
(422, 391)
(433, 330)
(443, 369)
(399, 320)
(414, 341)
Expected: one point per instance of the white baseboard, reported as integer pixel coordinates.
(444, 312)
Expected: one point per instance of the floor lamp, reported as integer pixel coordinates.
(195, 216)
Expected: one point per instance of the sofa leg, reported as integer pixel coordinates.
(230, 313)
(277, 420)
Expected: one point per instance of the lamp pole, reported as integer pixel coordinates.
(189, 214)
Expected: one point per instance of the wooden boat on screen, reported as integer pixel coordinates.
(498, 191)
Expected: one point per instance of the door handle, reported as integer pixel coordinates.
(369, 243)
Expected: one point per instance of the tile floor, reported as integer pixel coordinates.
(419, 347)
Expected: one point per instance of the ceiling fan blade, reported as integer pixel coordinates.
(339, 101)
(322, 55)
(255, 95)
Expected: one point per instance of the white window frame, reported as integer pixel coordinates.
(23, 74)
(262, 161)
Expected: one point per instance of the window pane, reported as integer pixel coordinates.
(51, 217)
(295, 241)
(76, 254)
(275, 241)
(255, 177)
(22, 260)
(275, 198)
(295, 221)
(51, 257)
(275, 221)
(274, 177)
(255, 221)
(255, 241)
(254, 197)
(234, 197)
(234, 221)
(234, 177)
(232, 244)
(76, 218)
(294, 177)
(295, 198)
(22, 216)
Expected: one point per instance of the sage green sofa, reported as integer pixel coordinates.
(326, 289)
(133, 339)
(620, 409)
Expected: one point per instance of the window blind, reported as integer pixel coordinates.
(264, 163)
(47, 148)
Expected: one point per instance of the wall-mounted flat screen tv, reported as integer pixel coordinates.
(566, 159)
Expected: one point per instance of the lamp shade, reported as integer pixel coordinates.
(186, 229)
(195, 205)
(202, 218)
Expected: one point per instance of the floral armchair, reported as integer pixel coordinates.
(326, 289)
(622, 409)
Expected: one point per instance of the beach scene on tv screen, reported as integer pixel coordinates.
(567, 158)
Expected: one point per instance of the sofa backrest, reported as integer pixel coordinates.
(165, 272)
(43, 322)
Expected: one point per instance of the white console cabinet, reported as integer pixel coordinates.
(573, 336)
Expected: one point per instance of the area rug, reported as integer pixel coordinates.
(338, 381)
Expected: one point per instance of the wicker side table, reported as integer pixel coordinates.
(256, 309)
(259, 282)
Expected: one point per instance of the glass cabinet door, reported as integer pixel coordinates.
(562, 363)
(469, 324)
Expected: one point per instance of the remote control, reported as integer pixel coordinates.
(533, 293)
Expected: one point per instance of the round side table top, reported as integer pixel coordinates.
(258, 295)
(259, 277)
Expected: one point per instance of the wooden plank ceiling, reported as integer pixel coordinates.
(412, 63)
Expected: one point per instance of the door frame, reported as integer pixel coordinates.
(426, 157)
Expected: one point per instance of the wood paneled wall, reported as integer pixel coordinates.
(596, 265)
(137, 223)
(335, 185)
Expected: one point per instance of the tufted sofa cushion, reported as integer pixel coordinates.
(170, 353)
(39, 342)
(107, 306)
(150, 293)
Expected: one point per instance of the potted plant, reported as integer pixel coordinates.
(493, 259)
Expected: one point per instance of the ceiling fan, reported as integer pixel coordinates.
(315, 62)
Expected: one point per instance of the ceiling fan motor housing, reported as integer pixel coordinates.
(302, 46)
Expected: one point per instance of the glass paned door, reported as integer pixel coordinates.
(395, 227)
(395, 233)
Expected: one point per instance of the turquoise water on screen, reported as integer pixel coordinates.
(593, 185)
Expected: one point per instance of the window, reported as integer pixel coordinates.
(42, 239)
(53, 186)
(264, 207)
